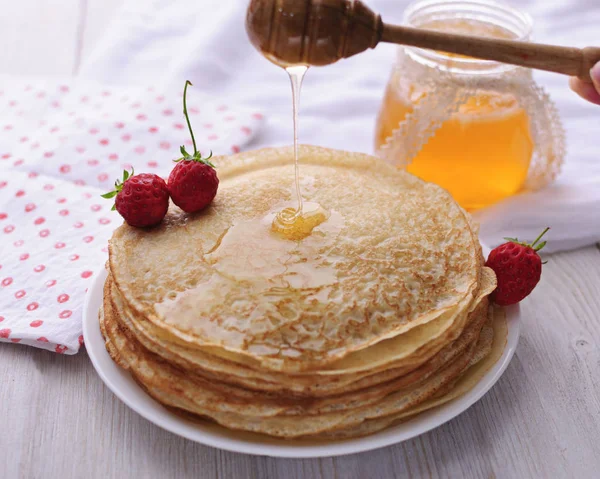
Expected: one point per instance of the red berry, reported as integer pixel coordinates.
(142, 200)
(518, 268)
(193, 185)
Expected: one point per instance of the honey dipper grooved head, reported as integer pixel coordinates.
(311, 32)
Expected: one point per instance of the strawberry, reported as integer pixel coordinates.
(193, 182)
(518, 268)
(142, 200)
(193, 185)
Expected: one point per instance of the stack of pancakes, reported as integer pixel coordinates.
(381, 313)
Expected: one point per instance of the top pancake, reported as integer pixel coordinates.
(395, 253)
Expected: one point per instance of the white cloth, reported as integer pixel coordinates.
(62, 145)
(170, 40)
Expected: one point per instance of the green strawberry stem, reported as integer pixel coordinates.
(118, 187)
(532, 245)
(541, 245)
(187, 118)
(197, 156)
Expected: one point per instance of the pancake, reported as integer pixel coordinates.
(380, 313)
(178, 389)
(395, 253)
(493, 342)
(151, 367)
(419, 341)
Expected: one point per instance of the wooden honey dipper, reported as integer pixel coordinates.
(320, 32)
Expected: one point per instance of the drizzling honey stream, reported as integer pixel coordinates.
(297, 223)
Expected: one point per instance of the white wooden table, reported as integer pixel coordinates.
(57, 419)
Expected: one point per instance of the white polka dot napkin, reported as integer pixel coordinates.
(61, 146)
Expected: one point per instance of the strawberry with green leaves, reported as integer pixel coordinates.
(193, 182)
(142, 200)
(518, 268)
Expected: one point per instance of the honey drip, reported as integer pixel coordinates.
(293, 226)
(296, 74)
(297, 223)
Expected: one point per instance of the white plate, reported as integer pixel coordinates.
(126, 389)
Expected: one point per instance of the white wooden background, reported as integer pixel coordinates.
(57, 419)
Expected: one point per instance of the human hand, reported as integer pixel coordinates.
(589, 91)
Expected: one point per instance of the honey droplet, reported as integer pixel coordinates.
(296, 225)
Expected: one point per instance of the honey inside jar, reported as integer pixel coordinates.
(481, 154)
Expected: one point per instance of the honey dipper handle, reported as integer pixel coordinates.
(567, 60)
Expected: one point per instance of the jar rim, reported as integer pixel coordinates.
(496, 13)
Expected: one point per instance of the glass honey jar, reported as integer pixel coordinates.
(481, 129)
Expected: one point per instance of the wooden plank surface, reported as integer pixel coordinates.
(541, 420)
